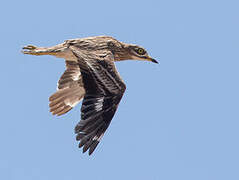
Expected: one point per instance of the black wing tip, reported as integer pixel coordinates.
(90, 145)
(87, 143)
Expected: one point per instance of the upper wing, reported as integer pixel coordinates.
(70, 90)
(104, 90)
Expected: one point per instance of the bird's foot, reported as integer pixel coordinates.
(33, 50)
(30, 49)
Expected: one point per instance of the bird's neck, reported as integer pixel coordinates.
(122, 54)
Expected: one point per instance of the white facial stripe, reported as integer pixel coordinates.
(138, 58)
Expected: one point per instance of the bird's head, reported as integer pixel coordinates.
(130, 51)
(123, 51)
(139, 53)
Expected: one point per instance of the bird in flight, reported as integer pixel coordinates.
(90, 75)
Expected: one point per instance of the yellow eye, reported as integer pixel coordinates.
(141, 51)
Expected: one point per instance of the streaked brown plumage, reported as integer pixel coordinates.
(90, 73)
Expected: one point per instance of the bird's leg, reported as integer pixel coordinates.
(33, 50)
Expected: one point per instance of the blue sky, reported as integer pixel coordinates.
(177, 120)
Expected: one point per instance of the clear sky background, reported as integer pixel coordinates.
(177, 120)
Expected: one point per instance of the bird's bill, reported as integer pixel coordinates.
(152, 60)
(144, 58)
(148, 58)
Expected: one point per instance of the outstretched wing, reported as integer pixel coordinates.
(70, 90)
(104, 90)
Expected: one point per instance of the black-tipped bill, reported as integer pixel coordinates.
(153, 60)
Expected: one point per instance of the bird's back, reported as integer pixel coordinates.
(92, 43)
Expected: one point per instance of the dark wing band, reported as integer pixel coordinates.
(104, 90)
(70, 90)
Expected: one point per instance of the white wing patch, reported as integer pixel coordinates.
(76, 76)
(98, 138)
(99, 104)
